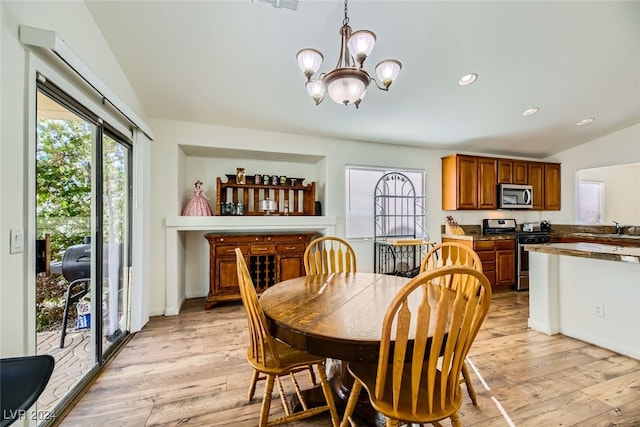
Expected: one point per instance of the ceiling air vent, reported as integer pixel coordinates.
(287, 4)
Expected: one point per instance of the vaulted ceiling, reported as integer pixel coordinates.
(233, 63)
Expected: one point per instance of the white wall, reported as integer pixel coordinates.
(74, 24)
(621, 183)
(618, 148)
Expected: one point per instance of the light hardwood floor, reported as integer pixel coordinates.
(190, 370)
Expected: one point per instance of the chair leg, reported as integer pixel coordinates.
(252, 387)
(467, 381)
(351, 403)
(266, 400)
(328, 394)
(455, 420)
(283, 397)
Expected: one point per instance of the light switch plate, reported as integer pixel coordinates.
(16, 244)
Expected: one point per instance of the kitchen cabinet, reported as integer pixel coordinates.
(552, 186)
(487, 193)
(498, 259)
(459, 182)
(505, 263)
(536, 180)
(271, 258)
(510, 171)
(545, 180)
(468, 182)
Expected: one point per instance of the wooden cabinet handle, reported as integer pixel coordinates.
(260, 249)
(290, 248)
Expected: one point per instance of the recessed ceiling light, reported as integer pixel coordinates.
(586, 121)
(467, 79)
(530, 112)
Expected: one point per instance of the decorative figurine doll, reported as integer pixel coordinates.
(197, 204)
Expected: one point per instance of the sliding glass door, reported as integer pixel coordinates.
(83, 228)
(116, 196)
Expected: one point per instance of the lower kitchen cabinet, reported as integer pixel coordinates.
(505, 263)
(498, 260)
(271, 258)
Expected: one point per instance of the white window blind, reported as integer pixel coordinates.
(361, 183)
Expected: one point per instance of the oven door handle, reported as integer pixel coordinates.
(527, 197)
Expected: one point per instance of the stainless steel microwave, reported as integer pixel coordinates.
(514, 196)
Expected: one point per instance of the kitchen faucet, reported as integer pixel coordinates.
(619, 227)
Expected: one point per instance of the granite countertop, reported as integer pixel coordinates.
(589, 250)
(599, 237)
(478, 236)
(587, 233)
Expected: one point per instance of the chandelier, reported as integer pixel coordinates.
(348, 82)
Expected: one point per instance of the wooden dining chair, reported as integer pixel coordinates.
(329, 254)
(275, 359)
(454, 253)
(427, 332)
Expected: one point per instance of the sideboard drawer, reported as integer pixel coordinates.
(230, 239)
(287, 238)
(263, 249)
(297, 247)
(229, 250)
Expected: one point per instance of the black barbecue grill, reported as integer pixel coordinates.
(76, 269)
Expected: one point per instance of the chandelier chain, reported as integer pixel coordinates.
(345, 21)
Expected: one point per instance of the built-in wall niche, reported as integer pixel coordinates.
(209, 163)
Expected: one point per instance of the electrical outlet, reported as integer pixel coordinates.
(599, 310)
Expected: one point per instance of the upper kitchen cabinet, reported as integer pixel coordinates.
(545, 179)
(512, 171)
(536, 180)
(552, 186)
(468, 182)
(487, 194)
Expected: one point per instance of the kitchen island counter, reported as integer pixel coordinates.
(589, 250)
(586, 291)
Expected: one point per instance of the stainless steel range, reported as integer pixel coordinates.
(522, 256)
(509, 227)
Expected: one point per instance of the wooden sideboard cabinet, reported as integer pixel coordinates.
(271, 258)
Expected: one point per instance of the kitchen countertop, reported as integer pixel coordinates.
(589, 250)
(476, 237)
(587, 233)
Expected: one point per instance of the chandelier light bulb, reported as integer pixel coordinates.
(361, 44)
(387, 71)
(315, 88)
(309, 61)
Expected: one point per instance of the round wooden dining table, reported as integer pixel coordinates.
(335, 315)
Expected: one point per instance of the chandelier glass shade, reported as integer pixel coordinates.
(348, 82)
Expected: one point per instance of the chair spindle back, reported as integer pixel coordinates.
(262, 347)
(328, 254)
(444, 321)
